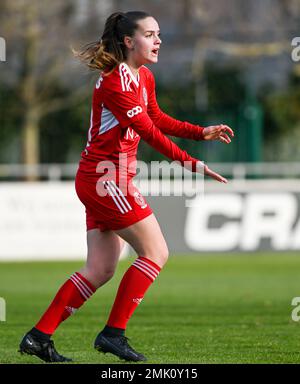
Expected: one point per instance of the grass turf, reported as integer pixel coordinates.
(233, 308)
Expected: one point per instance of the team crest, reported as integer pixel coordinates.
(145, 96)
(139, 200)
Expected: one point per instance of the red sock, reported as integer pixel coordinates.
(131, 291)
(75, 291)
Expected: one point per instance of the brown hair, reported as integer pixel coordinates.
(110, 50)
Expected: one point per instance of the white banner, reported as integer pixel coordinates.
(243, 222)
(41, 221)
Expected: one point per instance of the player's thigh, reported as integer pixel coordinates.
(104, 250)
(146, 239)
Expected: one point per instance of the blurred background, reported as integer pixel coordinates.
(230, 285)
(229, 62)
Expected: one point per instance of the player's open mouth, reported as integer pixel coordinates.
(155, 52)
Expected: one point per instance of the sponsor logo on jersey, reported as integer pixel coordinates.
(139, 199)
(131, 134)
(145, 96)
(134, 111)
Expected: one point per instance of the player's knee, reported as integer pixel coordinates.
(164, 255)
(158, 254)
(98, 278)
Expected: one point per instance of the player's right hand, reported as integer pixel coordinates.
(203, 168)
(214, 175)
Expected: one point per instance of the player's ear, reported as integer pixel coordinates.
(128, 41)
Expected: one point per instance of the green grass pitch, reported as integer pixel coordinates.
(229, 308)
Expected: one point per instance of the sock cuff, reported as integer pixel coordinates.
(86, 281)
(83, 285)
(147, 266)
(150, 262)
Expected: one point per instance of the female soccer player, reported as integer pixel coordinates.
(124, 109)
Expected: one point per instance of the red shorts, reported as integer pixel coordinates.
(108, 207)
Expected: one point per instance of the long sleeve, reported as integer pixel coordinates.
(154, 137)
(167, 124)
(129, 112)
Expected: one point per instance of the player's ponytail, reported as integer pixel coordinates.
(110, 50)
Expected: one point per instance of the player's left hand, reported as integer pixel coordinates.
(218, 132)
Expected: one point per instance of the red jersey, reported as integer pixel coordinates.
(124, 110)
